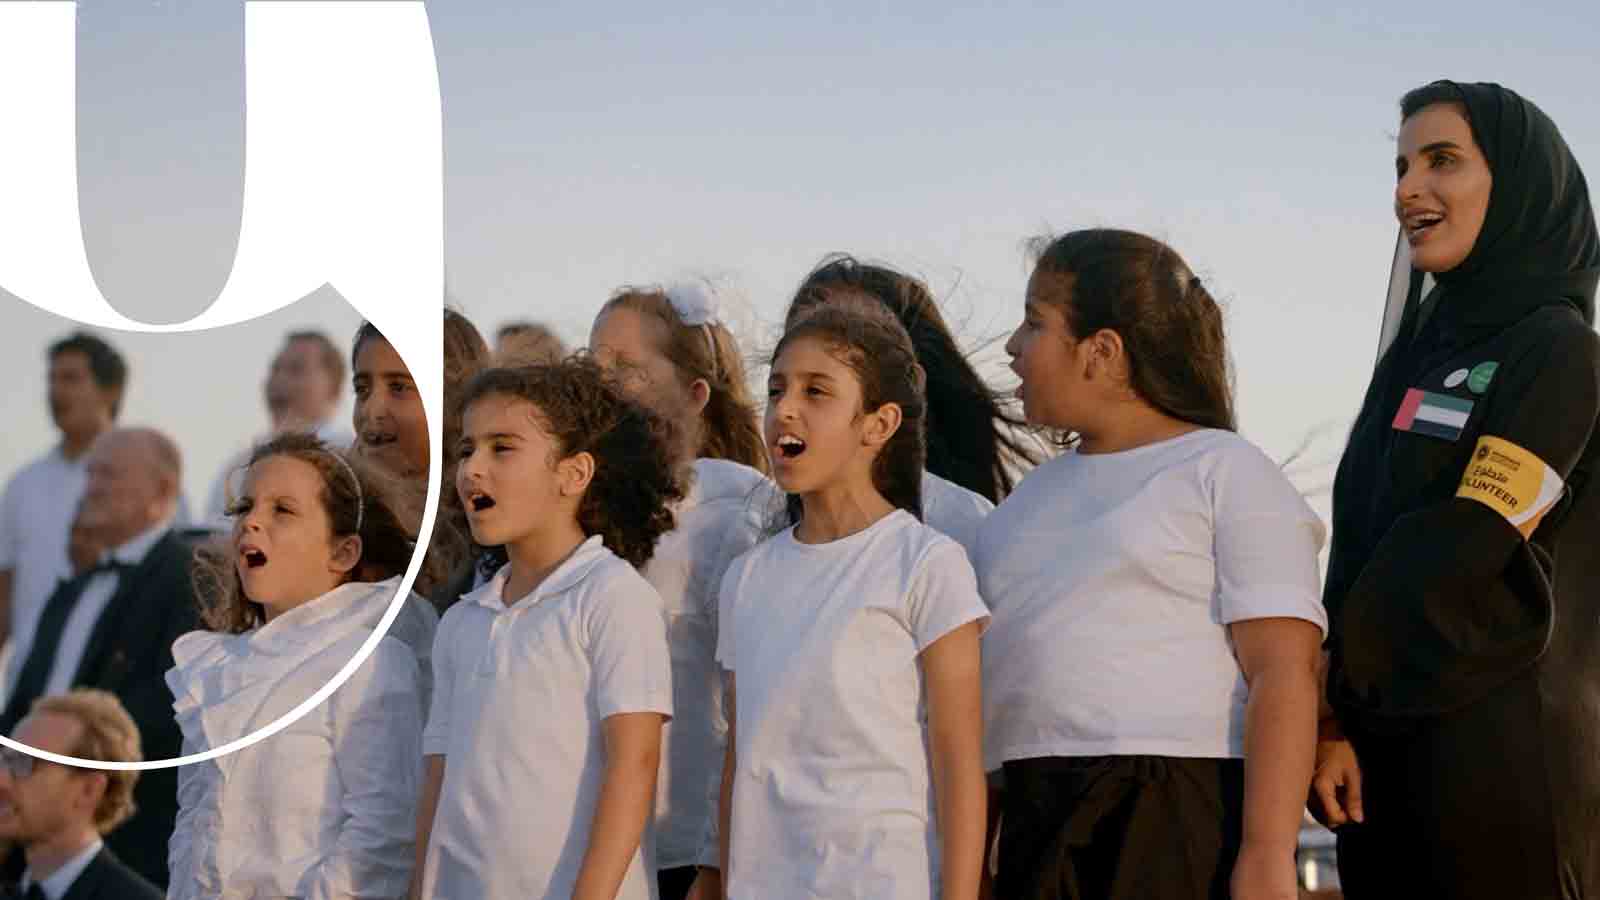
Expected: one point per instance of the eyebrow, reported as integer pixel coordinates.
(1429, 148)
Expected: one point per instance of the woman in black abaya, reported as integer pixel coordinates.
(1461, 754)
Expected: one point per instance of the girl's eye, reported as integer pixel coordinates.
(816, 391)
(239, 508)
(285, 510)
(502, 448)
(774, 393)
(1442, 160)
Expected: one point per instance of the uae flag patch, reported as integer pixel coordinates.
(1436, 415)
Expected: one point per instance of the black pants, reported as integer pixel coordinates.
(1458, 807)
(1114, 827)
(674, 884)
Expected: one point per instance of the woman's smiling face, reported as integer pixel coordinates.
(1442, 187)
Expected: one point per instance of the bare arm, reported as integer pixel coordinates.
(627, 800)
(427, 805)
(955, 743)
(1280, 659)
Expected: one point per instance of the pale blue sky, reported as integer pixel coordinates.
(587, 147)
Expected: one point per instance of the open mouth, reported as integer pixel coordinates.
(377, 439)
(790, 446)
(478, 501)
(1420, 224)
(253, 557)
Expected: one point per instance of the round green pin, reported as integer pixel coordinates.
(1478, 380)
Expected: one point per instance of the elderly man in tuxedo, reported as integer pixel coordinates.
(58, 814)
(111, 626)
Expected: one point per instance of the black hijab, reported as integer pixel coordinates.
(1539, 243)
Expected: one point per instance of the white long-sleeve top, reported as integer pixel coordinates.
(325, 808)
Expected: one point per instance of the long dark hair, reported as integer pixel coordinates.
(1170, 326)
(974, 438)
(635, 484)
(873, 343)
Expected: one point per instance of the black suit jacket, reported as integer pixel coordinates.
(107, 878)
(128, 654)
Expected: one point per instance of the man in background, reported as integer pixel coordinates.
(87, 379)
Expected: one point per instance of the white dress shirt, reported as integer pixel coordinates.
(325, 808)
(92, 605)
(62, 879)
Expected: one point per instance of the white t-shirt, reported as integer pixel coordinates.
(520, 693)
(954, 510)
(35, 520)
(833, 796)
(718, 520)
(1113, 578)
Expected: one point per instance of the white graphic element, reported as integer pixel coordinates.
(343, 185)
(1455, 378)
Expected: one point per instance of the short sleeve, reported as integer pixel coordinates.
(943, 595)
(1266, 540)
(727, 598)
(436, 736)
(627, 649)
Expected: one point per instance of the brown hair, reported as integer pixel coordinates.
(629, 499)
(386, 542)
(868, 338)
(974, 435)
(708, 353)
(536, 344)
(109, 735)
(332, 359)
(1170, 326)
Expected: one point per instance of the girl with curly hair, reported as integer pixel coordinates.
(553, 677)
(285, 612)
(668, 349)
(853, 767)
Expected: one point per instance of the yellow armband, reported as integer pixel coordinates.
(1511, 481)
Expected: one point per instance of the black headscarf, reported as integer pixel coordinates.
(1539, 243)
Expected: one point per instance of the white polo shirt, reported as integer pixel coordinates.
(719, 519)
(833, 796)
(35, 520)
(1114, 577)
(520, 693)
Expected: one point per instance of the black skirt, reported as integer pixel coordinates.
(1114, 827)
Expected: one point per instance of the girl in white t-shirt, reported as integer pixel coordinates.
(552, 680)
(976, 442)
(325, 808)
(1150, 684)
(668, 349)
(853, 766)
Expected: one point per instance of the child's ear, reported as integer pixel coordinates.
(881, 424)
(346, 554)
(1106, 358)
(700, 394)
(574, 473)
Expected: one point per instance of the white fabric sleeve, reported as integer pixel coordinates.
(11, 528)
(377, 718)
(181, 850)
(727, 597)
(1266, 539)
(627, 632)
(436, 737)
(943, 595)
